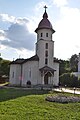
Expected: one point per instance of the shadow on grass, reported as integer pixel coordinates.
(11, 93)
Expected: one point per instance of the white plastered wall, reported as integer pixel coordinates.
(34, 76)
(15, 74)
(41, 52)
(44, 31)
(56, 74)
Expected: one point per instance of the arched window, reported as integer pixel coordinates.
(41, 34)
(13, 75)
(46, 61)
(46, 34)
(46, 53)
(30, 73)
(46, 45)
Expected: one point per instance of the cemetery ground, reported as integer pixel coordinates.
(22, 104)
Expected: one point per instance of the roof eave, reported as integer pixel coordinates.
(53, 31)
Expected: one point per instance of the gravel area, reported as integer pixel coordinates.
(63, 99)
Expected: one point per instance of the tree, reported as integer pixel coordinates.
(4, 67)
(69, 80)
(64, 66)
(74, 63)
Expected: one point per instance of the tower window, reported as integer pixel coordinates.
(46, 53)
(46, 34)
(46, 61)
(41, 34)
(46, 45)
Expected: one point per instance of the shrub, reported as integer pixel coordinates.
(69, 80)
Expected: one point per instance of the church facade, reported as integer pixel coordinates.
(41, 68)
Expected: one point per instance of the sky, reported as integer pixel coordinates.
(20, 18)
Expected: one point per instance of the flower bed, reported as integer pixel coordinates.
(63, 99)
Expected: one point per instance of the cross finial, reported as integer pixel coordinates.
(45, 7)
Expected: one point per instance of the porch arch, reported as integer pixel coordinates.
(46, 73)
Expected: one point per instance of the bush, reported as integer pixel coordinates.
(69, 80)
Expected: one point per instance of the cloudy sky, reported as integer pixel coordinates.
(20, 18)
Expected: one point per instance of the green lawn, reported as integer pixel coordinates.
(17, 104)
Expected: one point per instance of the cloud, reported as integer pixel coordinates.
(1, 33)
(7, 18)
(22, 21)
(60, 3)
(2, 47)
(12, 19)
(67, 34)
(24, 53)
(18, 36)
(39, 6)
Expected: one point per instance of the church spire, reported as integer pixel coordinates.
(45, 23)
(45, 13)
(45, 7)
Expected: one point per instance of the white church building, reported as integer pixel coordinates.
(40, 69)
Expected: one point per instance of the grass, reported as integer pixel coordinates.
(18, 104)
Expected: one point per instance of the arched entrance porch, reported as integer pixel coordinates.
(47, 77)
(47, 74)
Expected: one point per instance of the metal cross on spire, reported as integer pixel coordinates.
(45, 7)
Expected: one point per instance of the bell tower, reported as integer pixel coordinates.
(45, 44)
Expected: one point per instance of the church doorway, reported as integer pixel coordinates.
(46, 77)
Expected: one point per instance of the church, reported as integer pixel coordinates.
(40, 69)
